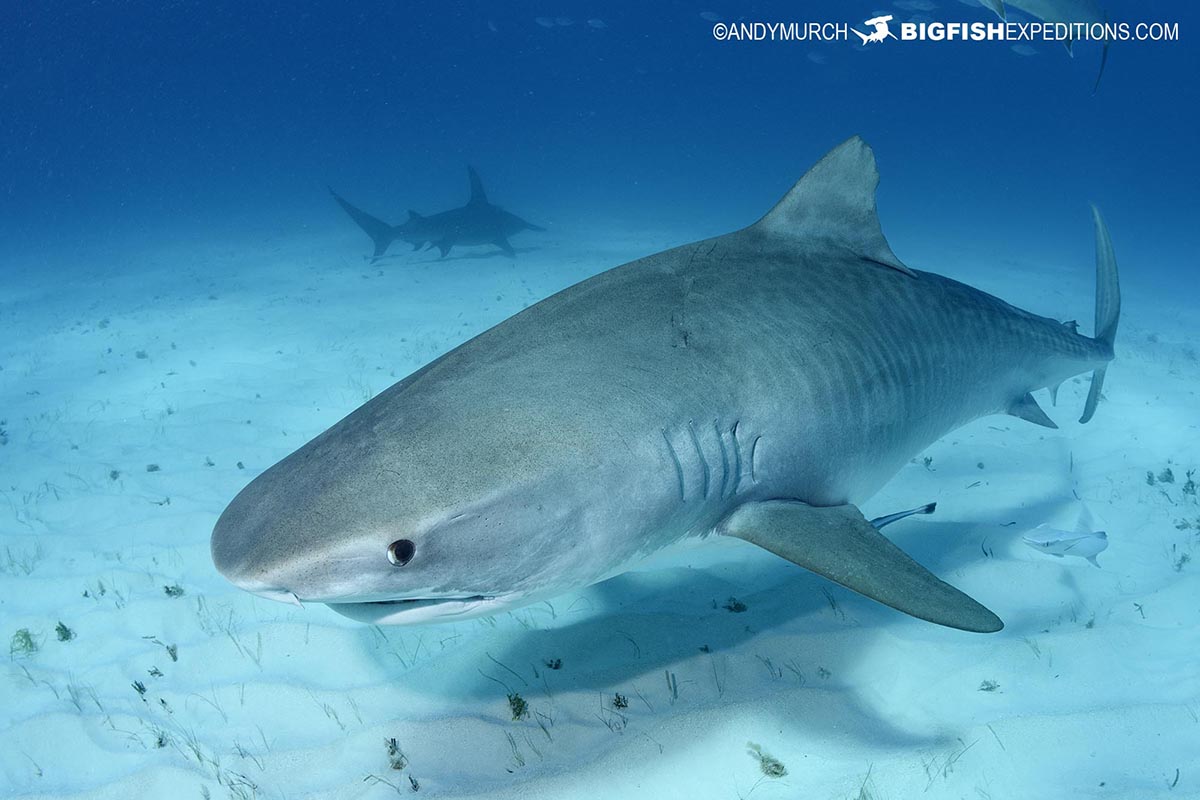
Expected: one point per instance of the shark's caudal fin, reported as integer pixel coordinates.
(380, 232)
(839, 543)
(835, 202)
(1108, 306)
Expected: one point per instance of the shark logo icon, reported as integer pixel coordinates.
(881, 31)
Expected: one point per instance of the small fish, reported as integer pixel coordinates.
(818, 58)
(1082, 543)
(545, 22)
(1026, 50)
(598, 24)
(710, 16)
(879, 522)
(564, 22)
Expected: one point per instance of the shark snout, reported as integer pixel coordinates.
(249, 548)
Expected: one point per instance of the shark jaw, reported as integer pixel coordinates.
(417, 611)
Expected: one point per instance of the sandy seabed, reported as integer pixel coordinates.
(137, 397)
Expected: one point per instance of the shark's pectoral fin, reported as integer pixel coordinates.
(503, 244)
(834, 203)
(444, 247)
(840, 544)
(1028, 409)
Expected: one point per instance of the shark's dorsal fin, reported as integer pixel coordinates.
(477, 193)
(835, 203)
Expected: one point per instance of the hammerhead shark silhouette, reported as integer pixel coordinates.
(477, 222)
(881, 31)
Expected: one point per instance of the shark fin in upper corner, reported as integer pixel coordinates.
(1028, 409)
(996, 7)
(835, 202)
(477, 193)
(840, 544)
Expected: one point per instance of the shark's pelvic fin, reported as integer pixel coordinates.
(835, 202)
(503, 244)
(443, 247)
(380, 232)
(1054, 393)
(840, 544)
(477, 193)
(1108, 306)
(1028, 409)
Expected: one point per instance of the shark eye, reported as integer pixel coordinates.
(401, 551)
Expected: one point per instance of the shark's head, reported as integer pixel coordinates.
(411, 510)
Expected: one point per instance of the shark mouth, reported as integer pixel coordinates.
(415, 611)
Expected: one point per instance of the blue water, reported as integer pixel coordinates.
(175, 121)
(175, 270)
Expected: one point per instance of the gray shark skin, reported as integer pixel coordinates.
(755, 385)
(477, 222)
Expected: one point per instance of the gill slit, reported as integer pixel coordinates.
(699, 454)
(678, 465)
(724, 457)
(753, 459)
(737, 459)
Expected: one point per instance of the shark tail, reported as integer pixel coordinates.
(1108, 307)
(380, 232)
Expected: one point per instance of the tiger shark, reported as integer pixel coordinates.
(477, 222)
(758, 385)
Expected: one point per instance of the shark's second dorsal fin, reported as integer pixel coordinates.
(477, 193)
(835, 203)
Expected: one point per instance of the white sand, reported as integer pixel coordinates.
(252, 348)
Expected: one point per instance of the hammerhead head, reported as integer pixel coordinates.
(478, 222)
(758, 385)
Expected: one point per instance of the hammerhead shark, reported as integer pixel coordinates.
(758, 385)
(477, 222)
